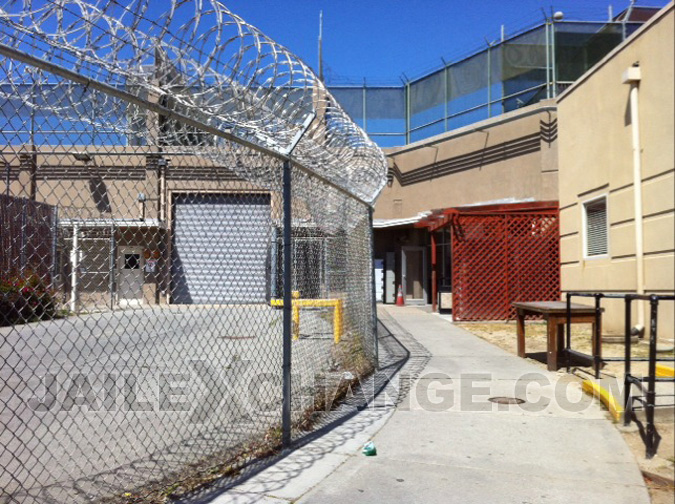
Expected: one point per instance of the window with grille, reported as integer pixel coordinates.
(596, 227)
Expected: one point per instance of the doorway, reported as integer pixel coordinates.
(414, 274)
(130, 276)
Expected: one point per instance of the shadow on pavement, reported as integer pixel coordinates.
(398, 352)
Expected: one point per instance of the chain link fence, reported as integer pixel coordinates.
(186, 249)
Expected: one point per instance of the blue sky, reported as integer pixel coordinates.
(380, 40)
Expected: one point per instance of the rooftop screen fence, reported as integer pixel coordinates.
(519, 71)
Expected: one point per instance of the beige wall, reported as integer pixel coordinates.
(511, 156)
(116, 175)
(596, 158)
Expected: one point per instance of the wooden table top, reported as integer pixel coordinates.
(555, 307)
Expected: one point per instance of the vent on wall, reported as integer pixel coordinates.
(596, 227)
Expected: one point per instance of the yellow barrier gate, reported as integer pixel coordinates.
(297, 303)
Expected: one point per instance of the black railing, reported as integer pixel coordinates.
(647, 399)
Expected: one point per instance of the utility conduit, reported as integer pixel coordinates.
(632, 76)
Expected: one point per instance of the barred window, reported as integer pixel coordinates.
(596, 227)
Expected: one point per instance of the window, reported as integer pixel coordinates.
(595, 219)
(132, 261)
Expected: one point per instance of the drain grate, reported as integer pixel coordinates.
(506, 400)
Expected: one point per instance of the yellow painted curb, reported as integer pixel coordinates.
(597, 390)
(664, 371)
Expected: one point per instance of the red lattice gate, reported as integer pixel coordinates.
(499, 258)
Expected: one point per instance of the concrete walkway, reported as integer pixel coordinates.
(441, 440)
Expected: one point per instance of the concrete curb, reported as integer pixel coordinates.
(605, 396)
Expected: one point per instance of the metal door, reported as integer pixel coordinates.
(130, 276)
(221, 246)
(414, 274)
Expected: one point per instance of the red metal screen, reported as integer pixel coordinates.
(499, 258)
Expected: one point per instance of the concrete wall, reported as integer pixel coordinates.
(513, 156)
(595, 158)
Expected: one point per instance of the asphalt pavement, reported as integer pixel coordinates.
(462, 422)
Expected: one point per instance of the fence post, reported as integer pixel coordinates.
(376, 351)
(627, 384)
(597, 337)
(111, 267)
(568, 331)
(652, 437)
(24, 237)
(287, 314)
(55, 274)
(489, 86)
(548, 62)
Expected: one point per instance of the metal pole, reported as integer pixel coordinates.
(407, 112)
(74, 266)
(652, 436)
(627, 404)
(111, 266)
(568, 330)
(637, 200)
(548, 63)
(446, 95)
(489, 85)
(434, 273)
(287, 313)
(597, 359)
(376, 351)
(24, 237)
(55, 245)
(33, 157)
(365, 114)
(554, 73)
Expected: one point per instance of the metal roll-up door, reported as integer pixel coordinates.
(221, 245)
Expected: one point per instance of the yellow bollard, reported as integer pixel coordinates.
(296, 321)
(296, 314)
(336, 304)
(337, 321)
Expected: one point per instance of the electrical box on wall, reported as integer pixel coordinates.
(378, 265)
(390, 277)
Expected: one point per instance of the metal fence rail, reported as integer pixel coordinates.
(535, 63)
(208, 289)
(646, 399)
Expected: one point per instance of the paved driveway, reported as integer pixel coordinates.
(104, 401)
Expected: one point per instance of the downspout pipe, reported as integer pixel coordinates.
(632, 77)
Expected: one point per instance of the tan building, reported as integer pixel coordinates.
(600, 249)
(576, 152)
(128, 220)
(507, 160)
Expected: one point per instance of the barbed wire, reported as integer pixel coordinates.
(203, 64)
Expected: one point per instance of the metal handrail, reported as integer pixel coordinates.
(648, 432)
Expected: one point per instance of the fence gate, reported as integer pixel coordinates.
(502, 257)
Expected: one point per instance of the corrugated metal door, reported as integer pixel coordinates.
(221, 245)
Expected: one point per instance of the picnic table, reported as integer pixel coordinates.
(555, 314)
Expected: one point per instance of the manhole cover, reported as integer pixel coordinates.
(506, 400)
